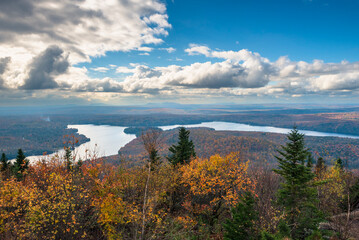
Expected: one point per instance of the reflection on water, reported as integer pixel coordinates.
(104, 141)
(107, 140)
(227, 126)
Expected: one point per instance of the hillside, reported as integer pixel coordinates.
(254, 146)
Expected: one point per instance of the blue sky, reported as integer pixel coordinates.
(303, 30)
(133, 52)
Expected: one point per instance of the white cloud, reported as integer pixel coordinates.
(169, 49)
(145, 49)
(100, 69)
(240, 73)
(124, 70)
(196, 49)
(82, 29)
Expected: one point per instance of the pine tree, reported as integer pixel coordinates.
(297, 195)
(241, 226)
(184, 150)
(20, 165)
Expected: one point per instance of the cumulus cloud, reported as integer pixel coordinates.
(145, 49)
(45, 67)
(85, 29)
(286, 76)
(101, 69)
(242, 69)
(169, 49)
(3, 66)
(236, 73)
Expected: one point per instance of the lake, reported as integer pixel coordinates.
(107, 140)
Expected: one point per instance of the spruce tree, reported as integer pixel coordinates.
(310, 160)
(155, 159)
(320, 167)
(296, 194)
(184, 150)
(4, 163)
(339, 163)
(68, 158)
(241, 226)
(20, 165)
(6, 166)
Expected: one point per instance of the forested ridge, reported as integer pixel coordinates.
(253, 146)
(38, 134)
(180, 196)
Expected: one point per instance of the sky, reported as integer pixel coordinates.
(131, 52)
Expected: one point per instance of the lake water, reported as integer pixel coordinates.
(104, 141)
(107, 140)
(227, 126)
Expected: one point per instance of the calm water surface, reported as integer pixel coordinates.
(227, 126)
(107, 140)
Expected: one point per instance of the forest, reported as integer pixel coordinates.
(34, 134)
(253, 146)
(181, 195)
(37, 134)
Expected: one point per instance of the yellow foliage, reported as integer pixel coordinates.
(215, 183)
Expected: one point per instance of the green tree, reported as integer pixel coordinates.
(339, 163)
(283, 233)
(68, 158)
(296, 194)
(310, 160)
(241, 226)
(4, 162)
(184, 150)
(5, 166)
(353, 198)
(320, 167)
(155, 159)
(20, 165)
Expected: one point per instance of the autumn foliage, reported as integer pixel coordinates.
(201, 198)
(101, 201)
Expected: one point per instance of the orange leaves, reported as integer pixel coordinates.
(222, 178)
(214, 186)
(52, 202)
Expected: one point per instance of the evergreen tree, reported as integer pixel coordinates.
(241, 226)
(184, 150)
(267, 236)
(297, 195)
(353, 198)
(310, 160)
(320, 167)
(6, 166)
(339, 163)
(155, 159)
(4, 163)
(68, 158)
(20, 165)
